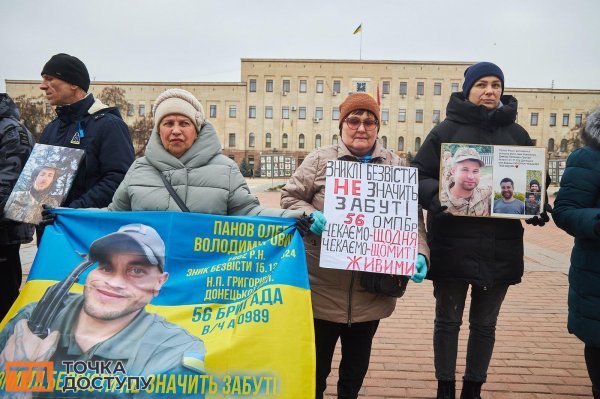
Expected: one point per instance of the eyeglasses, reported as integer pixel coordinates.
(354, 123)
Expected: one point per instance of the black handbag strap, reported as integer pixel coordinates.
(176, 197)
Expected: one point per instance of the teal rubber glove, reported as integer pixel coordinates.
(421, 272)
(319, 223)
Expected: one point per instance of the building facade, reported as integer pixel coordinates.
(291, 106)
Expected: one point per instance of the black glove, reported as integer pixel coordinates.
(437, 210)
(542, 218)
(47, 216)
(303, 224)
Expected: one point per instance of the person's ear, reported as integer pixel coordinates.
(160, 282)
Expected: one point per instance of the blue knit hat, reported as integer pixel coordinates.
(479, 70)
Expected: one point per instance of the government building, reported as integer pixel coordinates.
(291, 106)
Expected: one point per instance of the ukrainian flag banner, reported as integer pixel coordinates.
(162, 304)
(358, 29)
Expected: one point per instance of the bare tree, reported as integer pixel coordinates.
(34, 113)
(140, 132)
(115, 97)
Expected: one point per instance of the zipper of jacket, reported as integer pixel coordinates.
(350, 299)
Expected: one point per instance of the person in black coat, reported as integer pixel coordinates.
(86, 123)
(577, 211)
(16, 143)
(485, 253)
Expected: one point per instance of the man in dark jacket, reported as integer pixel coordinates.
(16, 143)
(485, 253)
(84, 122)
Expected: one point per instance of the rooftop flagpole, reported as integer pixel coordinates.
(359, 30)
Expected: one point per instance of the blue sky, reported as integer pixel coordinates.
(535, 42)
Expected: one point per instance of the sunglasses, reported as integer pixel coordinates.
(354, 122)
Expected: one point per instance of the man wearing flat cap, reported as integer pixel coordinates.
(84, 122)
(109, 322)
(462, 193)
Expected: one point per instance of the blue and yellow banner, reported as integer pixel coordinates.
(162, 304)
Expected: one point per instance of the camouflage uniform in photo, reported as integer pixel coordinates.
(27, 208)
(479, 204)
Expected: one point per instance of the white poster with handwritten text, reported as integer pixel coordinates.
(372, 218)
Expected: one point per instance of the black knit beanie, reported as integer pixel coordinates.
(68, 68)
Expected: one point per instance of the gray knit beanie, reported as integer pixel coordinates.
(178, 101)
(591, 133)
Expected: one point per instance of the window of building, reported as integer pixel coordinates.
(301, 112)
(401, 115)
(550, 145)
(361, 87)
(400, 143)
(251, 163)
(285, 112)
(284, 141)
(565, 119)
(417, 144)
(232, 111)
(252, 86)
(419, 116)
(252, 112)
(337, 86)
(213, 110)
(384, 141)
(142, 110)
(232, 139)
(454, 87)
(437, 89)
(420, 88)
(319, 112)
(403, 88)
(552, 119)
(385, 115)
(319, 87)
(334, 139)
(269, 86)
(285, 87)
(436, 116)
(269, 112)
(534, 119)
(48, 108)
(301, 141)
(318, 141)
(251, 140)
(130, 109)
(303, 86)
(563, 145)
(385, 87)
(578, 118)
(335, 113)
(268, 140)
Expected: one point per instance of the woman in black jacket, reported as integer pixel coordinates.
(482, 252)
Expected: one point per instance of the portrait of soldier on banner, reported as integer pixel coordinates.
(45, 180)
(108, 322)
